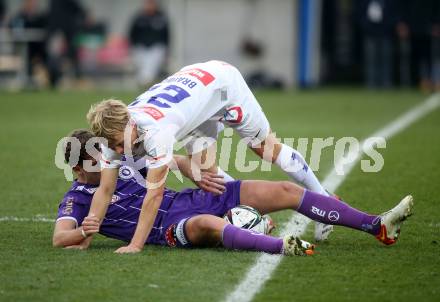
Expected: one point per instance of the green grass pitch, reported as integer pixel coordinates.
(352, 266)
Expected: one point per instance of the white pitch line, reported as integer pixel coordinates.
(266, 264)
(26, 219)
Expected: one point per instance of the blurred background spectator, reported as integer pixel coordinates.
(378, 20)
(2, 12)
(149, 39)
(65, 20)
(29, 17)
(420, 23)
(253, 50)
(90, 39)
(284, 43)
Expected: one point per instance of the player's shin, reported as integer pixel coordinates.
(332, 211)
(241, 239)
(294, 165)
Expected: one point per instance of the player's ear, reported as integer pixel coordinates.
(77, 169)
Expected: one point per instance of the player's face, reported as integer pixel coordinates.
(119, 142)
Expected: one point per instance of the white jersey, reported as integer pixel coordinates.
(191, 102)
(186, 99)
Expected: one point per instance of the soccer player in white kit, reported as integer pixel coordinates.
(190, 105)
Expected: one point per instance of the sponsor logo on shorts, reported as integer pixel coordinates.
(180, 233)
(233, 115)
(317, 211)
(170, 235)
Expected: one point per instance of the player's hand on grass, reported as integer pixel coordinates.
(212, 182)
(90, 225)
(129, 249)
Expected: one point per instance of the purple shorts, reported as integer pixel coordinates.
(189, 203)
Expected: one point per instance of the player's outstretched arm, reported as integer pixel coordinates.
(156, 179)
(66, 234)
(103, 195)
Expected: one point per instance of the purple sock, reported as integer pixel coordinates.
(241, 239)
(332, 211)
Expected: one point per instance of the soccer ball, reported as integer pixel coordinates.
(246, 217)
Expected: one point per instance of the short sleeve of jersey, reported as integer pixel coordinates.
(158, 146)
(72, 208)
(109, 158)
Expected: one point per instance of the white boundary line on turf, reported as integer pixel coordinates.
(266, 264)
(25, 219)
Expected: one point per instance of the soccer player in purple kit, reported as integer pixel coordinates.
(192, 217)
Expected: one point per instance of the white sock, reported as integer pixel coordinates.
(225, 175)
(294, 165)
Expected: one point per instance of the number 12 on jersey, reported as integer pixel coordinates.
(171, 94)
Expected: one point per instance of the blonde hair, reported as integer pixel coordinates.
(108, 118)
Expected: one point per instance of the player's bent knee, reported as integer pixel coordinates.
(204, 229)
(208, 223)
(291, 188)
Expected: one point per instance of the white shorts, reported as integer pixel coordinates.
(242, 113)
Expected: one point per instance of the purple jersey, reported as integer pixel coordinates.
(123, 212)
